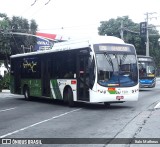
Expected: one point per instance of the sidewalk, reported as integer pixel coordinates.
(144, 130)
(157, 78)
(148, 134)
(151, 126)
(6, 90)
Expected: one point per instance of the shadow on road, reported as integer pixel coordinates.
(94, 106)
(145, 89)
(102, 106)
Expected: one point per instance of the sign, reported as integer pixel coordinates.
(114, 48)
(42, 44)
(143, 28)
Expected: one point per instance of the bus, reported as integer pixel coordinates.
(147, 71)
(102, 69)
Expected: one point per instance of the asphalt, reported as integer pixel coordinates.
(150, 129)
(151, 126)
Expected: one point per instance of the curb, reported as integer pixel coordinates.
(6, 90)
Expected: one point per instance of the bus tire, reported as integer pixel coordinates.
(27, 93)
(68, 96)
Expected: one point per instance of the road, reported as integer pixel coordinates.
(43, 118)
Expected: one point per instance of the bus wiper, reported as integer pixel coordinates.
(124, 57)
(109, 59)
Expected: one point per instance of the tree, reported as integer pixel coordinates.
(129, 28)
(5, 49)
(10, 43)
(131, 34)
(22, 25)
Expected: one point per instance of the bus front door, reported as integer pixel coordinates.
(45, 70)
(83, 78)
(17, 77)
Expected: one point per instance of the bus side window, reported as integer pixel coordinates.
(69, 75)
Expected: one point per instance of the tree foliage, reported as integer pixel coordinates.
(22, 25)
(131, 35)
(11, 43)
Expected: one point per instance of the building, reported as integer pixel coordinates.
(3, 70)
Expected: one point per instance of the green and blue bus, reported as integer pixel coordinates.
(103, 69)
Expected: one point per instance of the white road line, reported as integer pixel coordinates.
(30, 126)
(7, 109)
(157, 106)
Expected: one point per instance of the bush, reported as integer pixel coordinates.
(5, 81)
(1, 85)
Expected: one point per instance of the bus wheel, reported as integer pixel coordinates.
(68, 96)
(26, 93)
(106, 104)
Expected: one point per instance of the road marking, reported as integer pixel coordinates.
(157, 106)
(7, 109)
(30, 126)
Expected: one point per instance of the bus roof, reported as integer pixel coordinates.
(76, 44)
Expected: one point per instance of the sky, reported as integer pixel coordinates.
(79, 17)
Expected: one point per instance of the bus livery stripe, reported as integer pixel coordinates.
(56, 89)
(52, 91)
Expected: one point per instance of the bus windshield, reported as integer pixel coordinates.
(146, 69)
(117, 70)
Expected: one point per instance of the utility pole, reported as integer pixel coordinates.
(121, 30)
(147, 33)
(147, 36)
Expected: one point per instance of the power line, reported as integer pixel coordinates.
(147, 33)
(34, 3)
(126, 29)
(29, 7)
(40, 7)
(47, 2)
(70, 27)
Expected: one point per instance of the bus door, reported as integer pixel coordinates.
(82, 77)
(17, 77)
(45, 76)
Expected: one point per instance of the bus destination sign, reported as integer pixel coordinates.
(114, 48)
(144, 59)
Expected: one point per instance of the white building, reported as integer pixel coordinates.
(3, 70)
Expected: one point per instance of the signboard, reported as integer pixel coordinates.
(42, 44)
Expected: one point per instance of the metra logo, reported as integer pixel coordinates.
(112, 90)
(30, 65)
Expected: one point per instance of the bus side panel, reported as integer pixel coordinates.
(34, 86)
(57, 87)
(55, 90)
